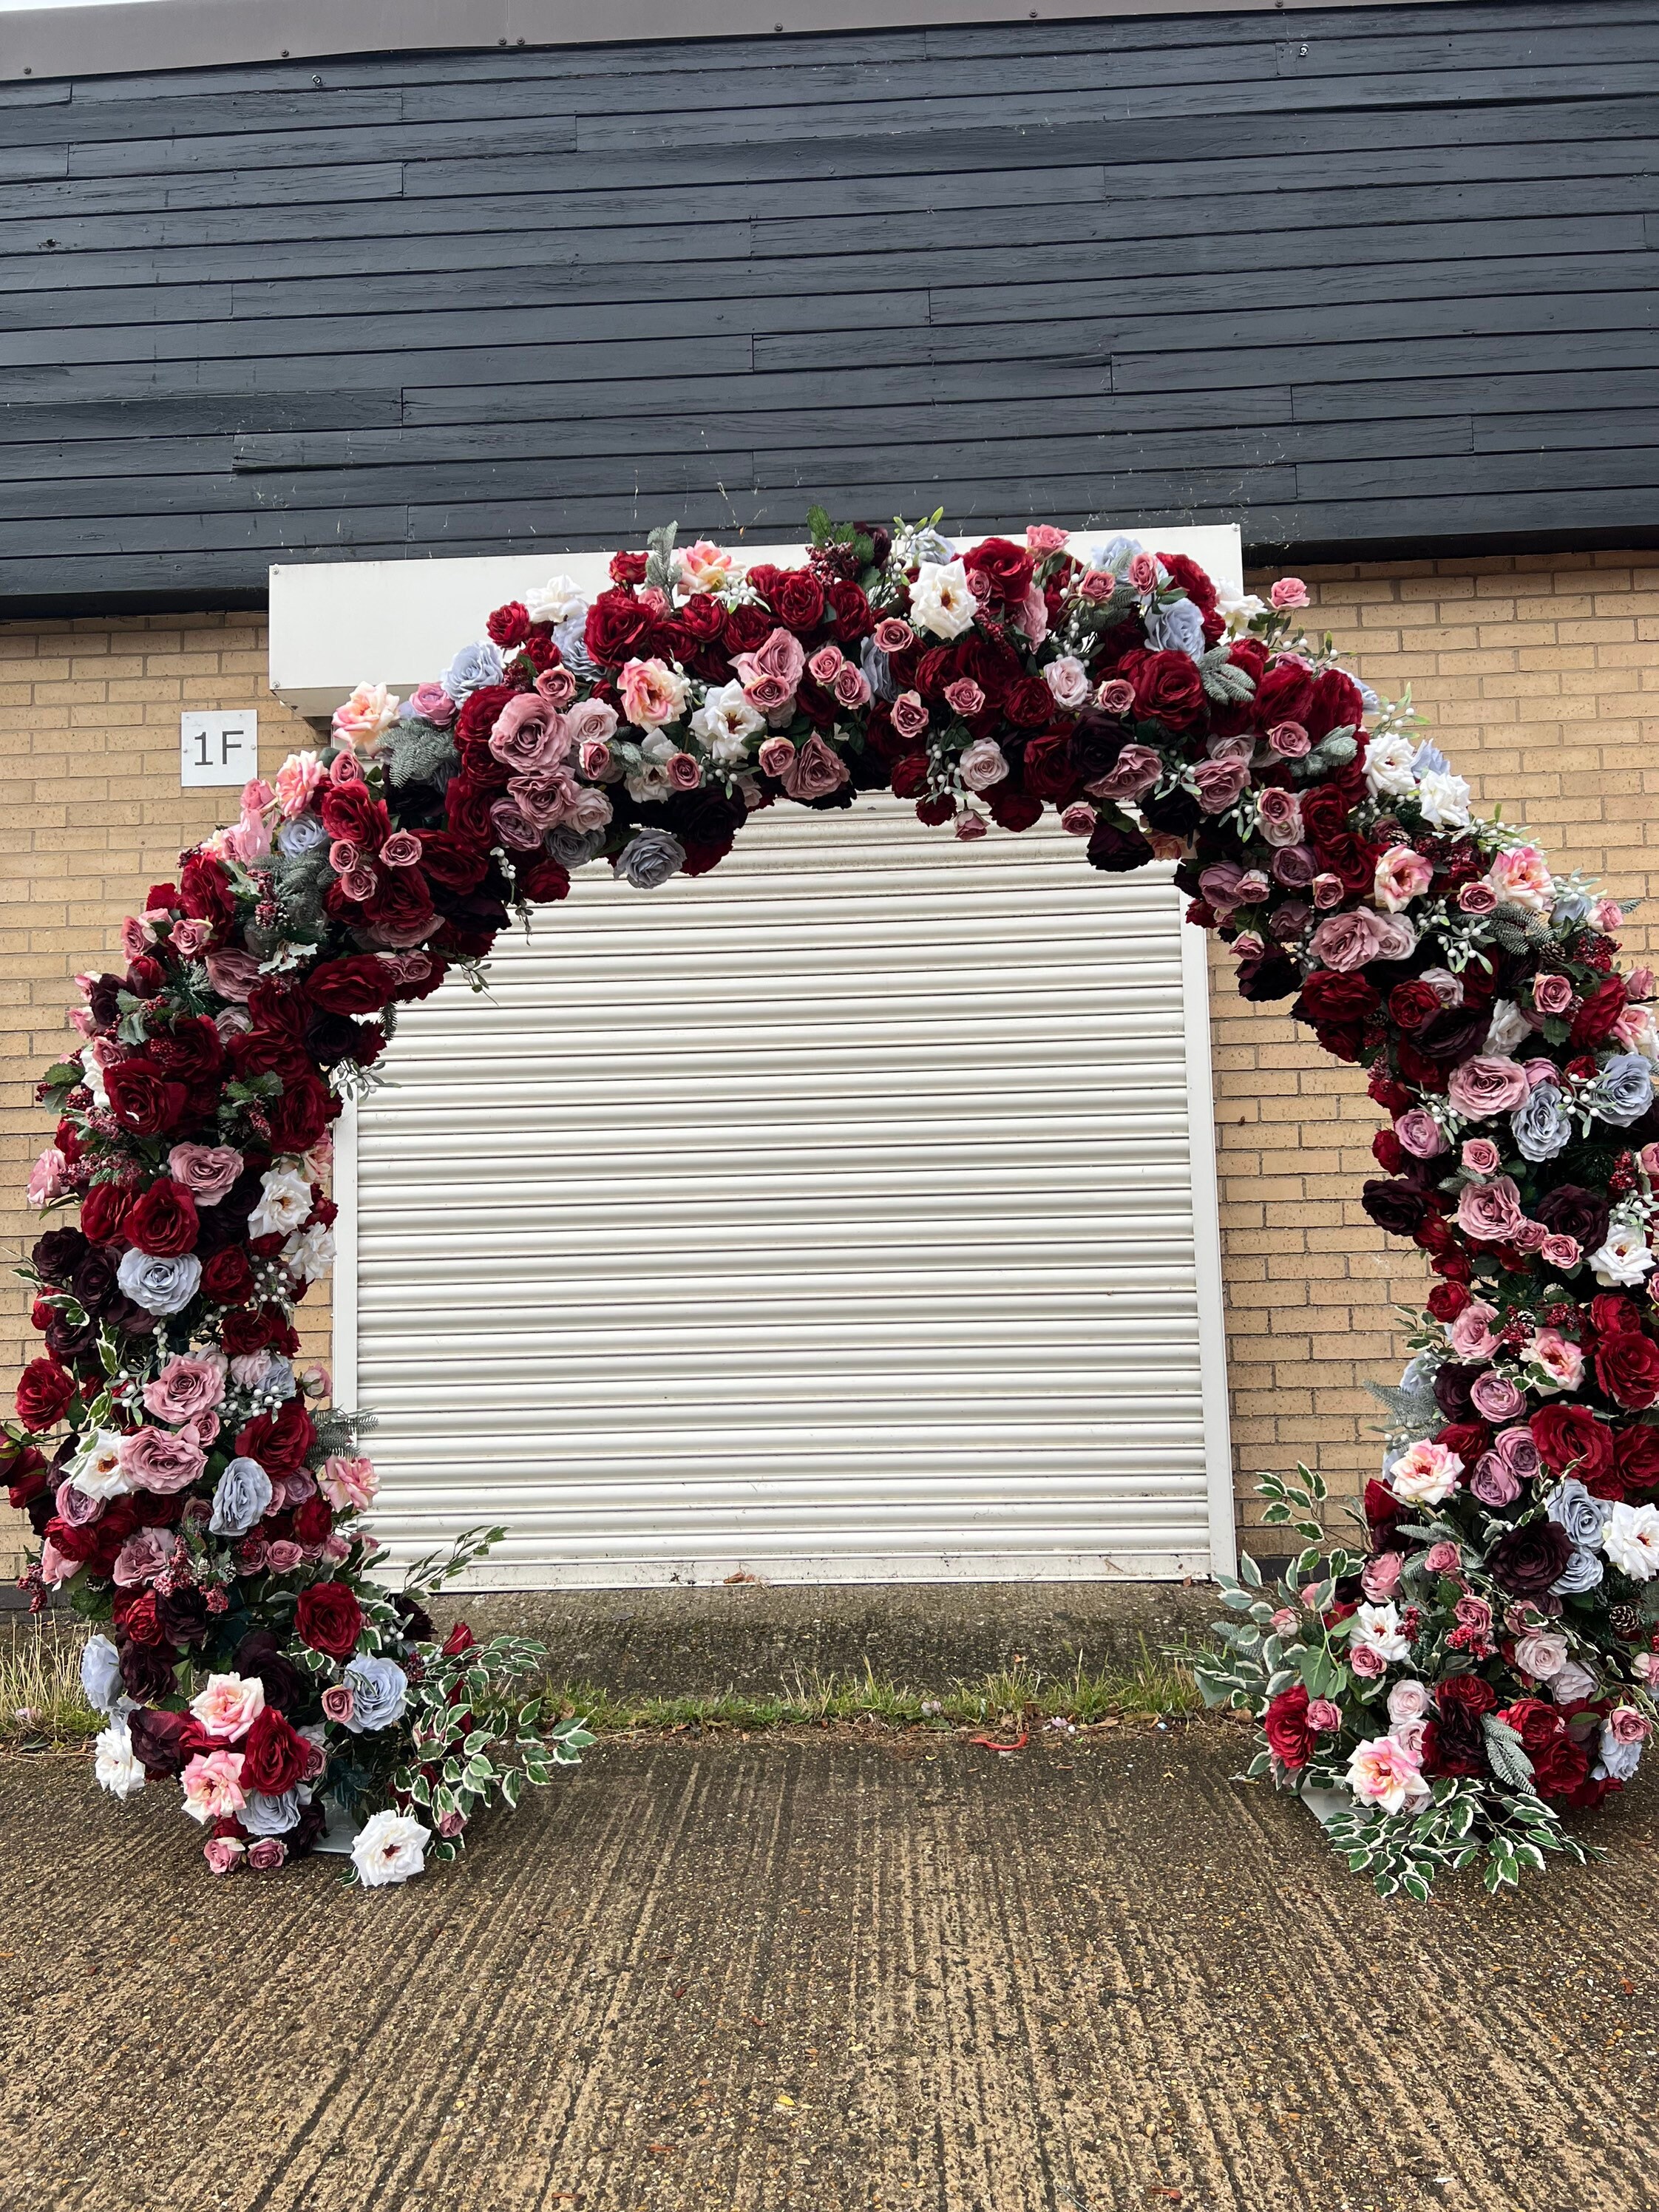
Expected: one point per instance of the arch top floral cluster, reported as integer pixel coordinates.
(1485, 1657)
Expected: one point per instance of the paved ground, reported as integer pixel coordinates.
(759, 1636)
(821, 1973)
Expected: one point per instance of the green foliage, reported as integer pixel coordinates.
(1464, 1821)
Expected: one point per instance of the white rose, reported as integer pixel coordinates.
(1629, 1537)
(1542, 1656)
(1409, 1701)
(725, 721)
(1507, 1027)
(284, 1202)
(1389, 768)
(940, 601)
(96, 1471)
(310, 1254)
(1443, 798)
(116, 1765)
(1573, 1683)
(391, 1847)
(1624, 1260)
(559, 601)
(1238, 609)
(1378, 1626)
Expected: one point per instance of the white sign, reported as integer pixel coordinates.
(218, 747)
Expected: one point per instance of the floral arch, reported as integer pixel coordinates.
(1481, 1655)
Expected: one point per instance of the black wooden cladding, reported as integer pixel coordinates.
(1366, 280)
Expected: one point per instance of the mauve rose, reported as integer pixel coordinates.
(1481, 1157)
(1220, 783)
(851, 688)
(826, 664)
(590, 722)
(143, 1557)
(1133, 772)
(771, 674)
(816, 770)
(157, 1461)
(1551, 994)
(401, 850)
(1079, 819)
(232, 974)
(1366, 1662)
(1485, 1085)
(338, 1703)
(983, 764)
(1380, 1576)
(1279, 816)
(1294, 866)
(1477, 898)
(1237, 748)
(207, 1171)
(909, 715)
(190, 1384)
(222, 1853)
(894, 636)
(1289, 740)
(1420, 1133)
(1561, 1253)
(776, 757)
(1114, 695)
(1496, 1397)
(267, 1855)
(1490, 1212)
(283, 1556)
(964, 696)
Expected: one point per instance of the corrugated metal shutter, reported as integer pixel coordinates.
(831, 1217)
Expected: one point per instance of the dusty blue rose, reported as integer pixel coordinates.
(242, 1497)
(265, 1816)
(1583, 1571)
(571, 638)
(1542, 1126)
(1115, 555)
(100, 1674)
(650, 859)
(303, 835)
(379, 1691)
(877, 670)
(1570, 1505)
(1618, 1760)
(574, 848)
(1621, 1093)
(1178, 627)
(472, 668)
(161, 1286)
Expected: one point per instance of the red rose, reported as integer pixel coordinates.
(1328, 996)
(359, 985)
(352, 811)
(628, 568)
(1284, 1723)
(1447, 1300)
(854, 618)
(794, 595)
(313, 1518)
(278, 1440)
(1006, 568)
(1168, 688)
(1325, 811)
(44, 1391)
(1284, 694)
(480, 712)
(544, 879)
(191, 1051)
(142, 1100)
(164, 1221)
(301, 1113)
(1559, 1767)
(1388, 1152)
(1336, 704)
(104, 1211)
(227, 1276)
(617, 624)
(1636, 1456)
(402, 905)
(1011, 809)
(1627, 1369)
(1351, 860)
(509, 625)
(1047, 771)
(274, 1756)
(1595, 1021)
(1571, 1437)
(747, 627)
(205, 891)
(460, 1639)
(1413, 1003)
(329, 1619)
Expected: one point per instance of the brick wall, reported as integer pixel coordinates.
(1537, 675)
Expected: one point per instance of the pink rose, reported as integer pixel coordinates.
(1420, 1133)
(1323, 1717)
(544, 799)
(1411, 1736)
(598, 764)
(1366, 1662)
(590, 721)
(1481, 1157)
(1477, 898)
(1097, 585)
(284, 1557)
(969, 826)
(1279, 816)
(1288, 592)
(1402, 876)
(46, 1178)
(213, 1785)
(1116, 696)
(684, 771)
(587, 808)
(432, 703)
(450, 1825)
(1551, 994)
(1496, 1398)
(653, 695)
(1220, 783)
(1079, 819)
(1348, 940)
(338, 1703)
(223, 1854)
(910, 714)
(191, 937)
(529, 735)
(207, 1171)
(557, 686)
(1561, 1253)
(267, 1855)
(1133, 772)
(401, 850)
(154, 1460)
(191, 1384)
(1289, 740)
(1380, 1576)
(348, 1482)
(1328, 892)
(229, 1705)
(825, 664)
(1143, 572)
(983, 764)
(851, 688)
(776, 755)
(1043, 538)
(1530, 1236)
(816, 770)
(893, 635)
(1470, 1335)
(1487, 1084)
(964, 696)
(1490, 1212)
(1068, 680)
(1627, 1725)
(771, 674)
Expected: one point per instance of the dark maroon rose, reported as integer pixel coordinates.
(359, 985)
(1572, 1210)
(1284, 694)
(303, 1839)
(286, 1686)
(182, 1616)
(56, 1256)
(1095, 743)
(147, 1671)
(191, 1051)
(143, 1100)
(1454, 1742)
(163, 1741)
(330, 1620)
(228, 1277)
(1526, 1560)
(1335, 702)
(1118, 851)
(274, 1757)
(1636, 1457)
(415, 1620)
(1329, 996)
(1176, 813)
(1398, 1208)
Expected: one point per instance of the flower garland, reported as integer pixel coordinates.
(1482, 1659)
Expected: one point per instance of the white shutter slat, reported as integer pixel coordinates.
(831, 1216)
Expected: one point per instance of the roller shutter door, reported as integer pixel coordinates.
(834, 1217)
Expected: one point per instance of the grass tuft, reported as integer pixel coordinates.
(42, 1707)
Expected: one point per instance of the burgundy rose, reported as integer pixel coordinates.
(1570, 1439)
(1526, 1560)
(104, 1211)
(1398, 1208)
(44, 1392)
(182, 1616)
(163, 1741)
(300, 1113)
(1168, 688)
(617, 624)
(359, 985)
(1118, 851)
(147, 1674)
(143, 1100)
(1636, 1457)
(205, 891)
(274, 1756)
(227, 1276)
(164, 1221)
(1571, 1211)
(278, 1440)
(1627, 1369)
(330, 1620)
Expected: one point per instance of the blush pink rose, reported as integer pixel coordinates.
(338, 1703)
(1561, 1253)
(1133, 774)
(557, 686)
(223, 1854)
(432, 703)
(529, 735)
(1380, 1576)
(591, 721)
(825, 664)
(1470, 1335)
(776, 757)
(1477, 898)
(348, 1482)
(213, 1785)
(1366, 1662)
(1323, 1716)
(1079, 819)
(267, 1854)
(983, 764)
(1402, 876)
(653, 694)
(1068, 680)
(1481, 1157)
(228, 1706)
(851, 688)
(1288, 592)
(1043, 538)
(910, 714)
(1442, 1558)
